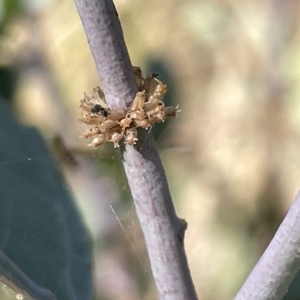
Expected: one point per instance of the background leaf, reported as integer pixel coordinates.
(40, 228)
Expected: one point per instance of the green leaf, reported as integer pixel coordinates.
(40, 228)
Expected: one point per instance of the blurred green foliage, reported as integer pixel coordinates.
(40, 228)
(9, 10)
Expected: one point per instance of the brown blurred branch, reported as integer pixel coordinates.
(163, 230)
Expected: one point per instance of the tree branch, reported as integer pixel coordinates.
(163, 230)
(105, 37)
(275, 270)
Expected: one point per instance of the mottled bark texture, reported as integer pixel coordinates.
(163, 230)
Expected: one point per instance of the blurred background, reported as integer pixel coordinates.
(232, 154)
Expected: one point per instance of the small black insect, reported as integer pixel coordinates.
(98, 109)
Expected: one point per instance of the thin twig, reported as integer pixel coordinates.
(163, 230)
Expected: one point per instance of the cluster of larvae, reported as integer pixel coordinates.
(109, 125)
